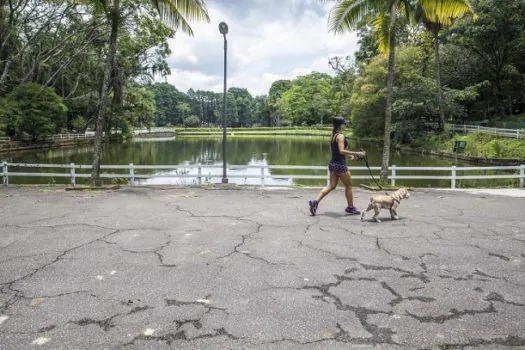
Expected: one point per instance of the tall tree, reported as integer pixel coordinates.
(497, 38)
(435, 15)
(261, 111)
(184, 109)
(345, 71)
(386, 16)
(176, 14)
(310, 100)
(277, 89)
(166, 98)
(243, 101)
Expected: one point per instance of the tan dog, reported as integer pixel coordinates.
(386, 201)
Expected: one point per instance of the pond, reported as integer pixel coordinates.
(242, 150)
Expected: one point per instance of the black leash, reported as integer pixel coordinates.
(365, 158)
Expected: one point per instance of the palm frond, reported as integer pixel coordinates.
(445, 11)
(381, 23)
(177, 13)
(345, 15)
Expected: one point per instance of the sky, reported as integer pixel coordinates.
(267, 40)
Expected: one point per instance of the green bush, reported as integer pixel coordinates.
(78, 124)
(34, 110)
(192, 121)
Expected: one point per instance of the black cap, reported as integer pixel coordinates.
(339, 121)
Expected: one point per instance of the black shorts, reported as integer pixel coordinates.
(337, 168)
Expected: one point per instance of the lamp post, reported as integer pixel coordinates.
(223, 29)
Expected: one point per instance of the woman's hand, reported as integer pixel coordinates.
(361, 154)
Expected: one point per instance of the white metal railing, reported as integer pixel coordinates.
(182, 171)
(69, 136)
(153, 129)
(515, 133)
(57, 137)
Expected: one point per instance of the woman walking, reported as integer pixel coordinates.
(338, 168)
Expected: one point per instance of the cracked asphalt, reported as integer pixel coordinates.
(190, 268)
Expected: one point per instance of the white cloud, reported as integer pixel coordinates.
(182, 52)
(267, 40)
(192, 79)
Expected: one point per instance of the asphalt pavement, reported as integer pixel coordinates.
(209, 268)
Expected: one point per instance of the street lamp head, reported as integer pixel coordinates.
(223, 28)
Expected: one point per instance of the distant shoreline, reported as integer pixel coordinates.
(19, 146)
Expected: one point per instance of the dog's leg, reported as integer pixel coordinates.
(377, 209)
(370, 207)
(393, 212)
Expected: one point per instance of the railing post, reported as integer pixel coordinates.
(262, 176)
(328, 177)
(453, 179)
(199, 173)
(464, 128)
(518, 134)
(522, 174)
(72, 172)
(131, 180)
(393, 180)
(6, 176)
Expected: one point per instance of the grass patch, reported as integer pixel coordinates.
(261, 129)
(479, 145)
(254, 136)
(315, 131)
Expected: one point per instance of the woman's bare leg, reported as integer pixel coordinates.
(346, 178)
(331, 186)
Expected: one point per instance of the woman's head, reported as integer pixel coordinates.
(339, 123)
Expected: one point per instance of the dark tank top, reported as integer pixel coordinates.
(336, 156)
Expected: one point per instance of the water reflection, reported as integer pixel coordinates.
(253, 151)
(211, 173)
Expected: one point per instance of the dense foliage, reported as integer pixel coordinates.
(481, 70)
(59, 48)
(53, 54)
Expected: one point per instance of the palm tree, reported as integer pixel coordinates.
(386, 16)
(174, 13)
(435, 15)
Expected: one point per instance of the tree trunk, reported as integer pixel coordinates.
(388, 111)
(3, 78)
(438, 82)
(114, 17)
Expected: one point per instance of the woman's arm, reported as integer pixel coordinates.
(341, 143)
